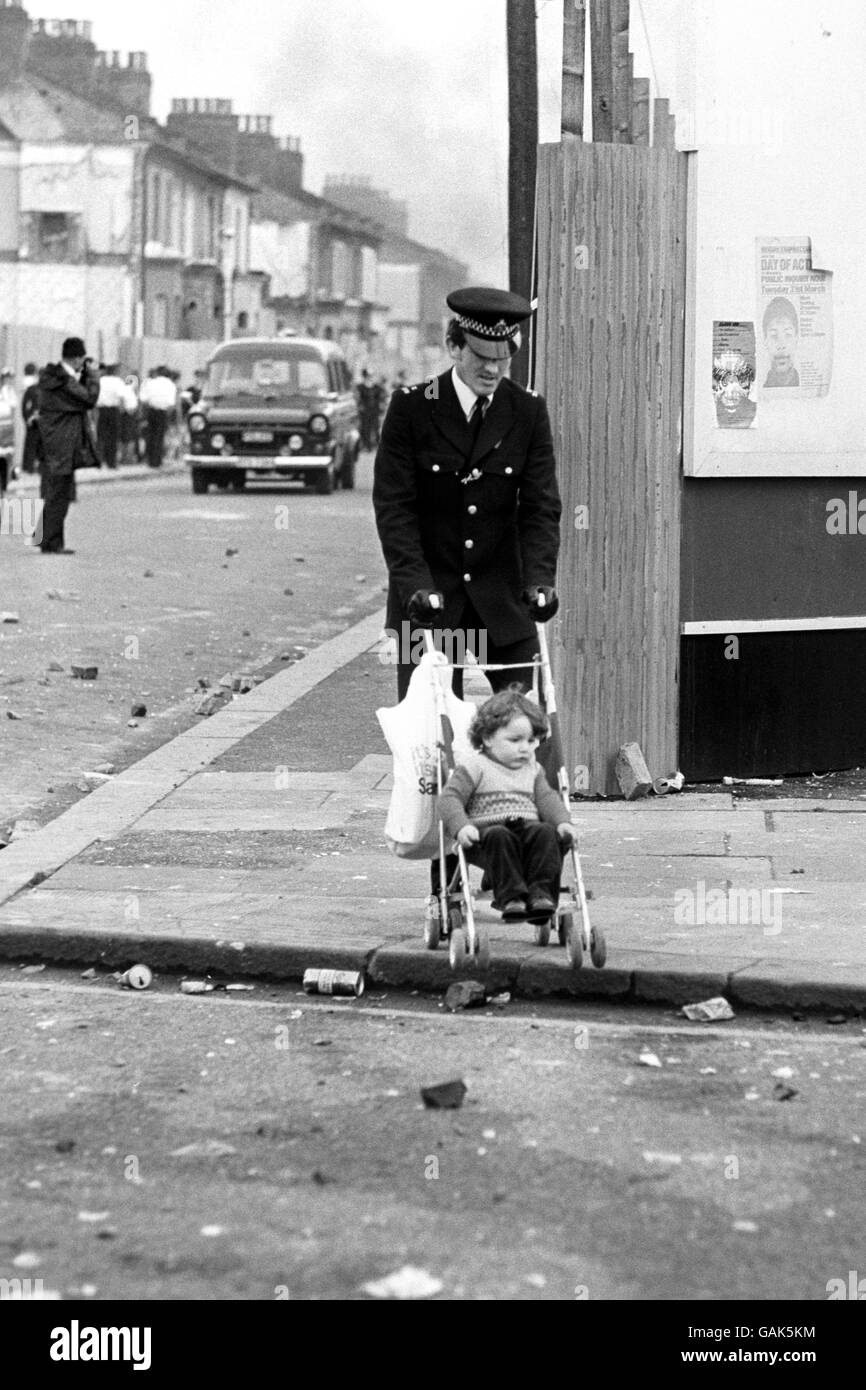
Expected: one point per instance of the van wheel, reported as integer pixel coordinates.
(325, 481)
(200, 479)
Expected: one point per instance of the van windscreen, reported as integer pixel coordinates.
(253, 374)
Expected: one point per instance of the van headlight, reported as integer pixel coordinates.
(196, 424)
(319, 424)
(217, 441)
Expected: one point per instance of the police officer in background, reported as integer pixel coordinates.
(466, 499)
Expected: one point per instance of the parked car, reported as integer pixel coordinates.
(275, 408)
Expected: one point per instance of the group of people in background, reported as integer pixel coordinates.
(133, 417)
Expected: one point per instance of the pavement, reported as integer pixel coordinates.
(251, 846)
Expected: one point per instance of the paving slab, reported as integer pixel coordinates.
(252, 845)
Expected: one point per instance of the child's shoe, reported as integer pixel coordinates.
(514, 910)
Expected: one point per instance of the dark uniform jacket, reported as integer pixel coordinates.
(486, 540)
(64, 420)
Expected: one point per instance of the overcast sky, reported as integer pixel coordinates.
(411, 94)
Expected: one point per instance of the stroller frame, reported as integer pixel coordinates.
(451, 913)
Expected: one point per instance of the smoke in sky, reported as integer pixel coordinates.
(411, 95)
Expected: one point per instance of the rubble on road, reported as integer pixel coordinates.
(447, 1095)
(709, 1010)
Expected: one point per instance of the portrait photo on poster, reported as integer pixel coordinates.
(734, 374)
(795, 317)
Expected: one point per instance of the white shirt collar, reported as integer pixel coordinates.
(465, 395)
(71, 370)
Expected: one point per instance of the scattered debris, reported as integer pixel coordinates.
(784, 1073)
(448, 1095)
(89, 974)
(84, 671)
(708, 1011)
(94, 1216)
(213, 702)
(64, 1146)
(27, 1259)
(22, 828)
(749, 1226)
(212, 1230)
(138, 710)
(632, 773)
(334, 982)
(752, 781)
(833, 1019)
(232, 989)
(55, 666)
(649, 1059)
(196, 987)
(231, 550)
(465, 994)
(320, 1178)
(31, 969)
(406, 1283)
(501, 999)
(9, 618)
(148, 574)
(663, 785)
(781, 1091)
(204, 1148)
(10, 714)
(136, 977)
(670, 1160)
(64, 595)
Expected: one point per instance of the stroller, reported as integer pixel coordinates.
(451, 912)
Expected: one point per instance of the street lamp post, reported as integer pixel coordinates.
(228, 272)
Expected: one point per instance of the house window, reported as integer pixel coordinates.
(52, 236)
(243, 319)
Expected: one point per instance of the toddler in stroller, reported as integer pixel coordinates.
(502, 811)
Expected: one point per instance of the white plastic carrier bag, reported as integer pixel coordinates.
(414, 734)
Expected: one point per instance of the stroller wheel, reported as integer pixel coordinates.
(456, 948)
(597, 947)
(542, 932)
(482, 944)
(574, 946)
(565, 927)
(431, 933)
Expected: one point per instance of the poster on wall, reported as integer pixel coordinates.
(734, 374)
(795, 319)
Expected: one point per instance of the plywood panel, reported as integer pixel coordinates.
(611, 294)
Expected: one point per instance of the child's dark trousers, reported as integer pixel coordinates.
(521, 857)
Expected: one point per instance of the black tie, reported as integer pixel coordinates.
(481, 404)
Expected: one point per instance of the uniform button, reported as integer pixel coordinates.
(466, 578)
(509, 470)
(436, 468)
(469, 544)
(472, 510)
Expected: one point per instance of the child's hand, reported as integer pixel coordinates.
(567, 832)
(468, 835)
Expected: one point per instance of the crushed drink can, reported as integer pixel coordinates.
(334, 982)
(136, 977)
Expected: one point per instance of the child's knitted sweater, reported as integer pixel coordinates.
(483, 792)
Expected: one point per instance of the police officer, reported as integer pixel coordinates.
(466, 499)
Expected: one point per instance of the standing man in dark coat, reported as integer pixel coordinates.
(466, 498)
(68, 391)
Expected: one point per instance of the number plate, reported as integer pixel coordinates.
(257, 437)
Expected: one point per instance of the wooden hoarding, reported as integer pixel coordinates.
(611, 248)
